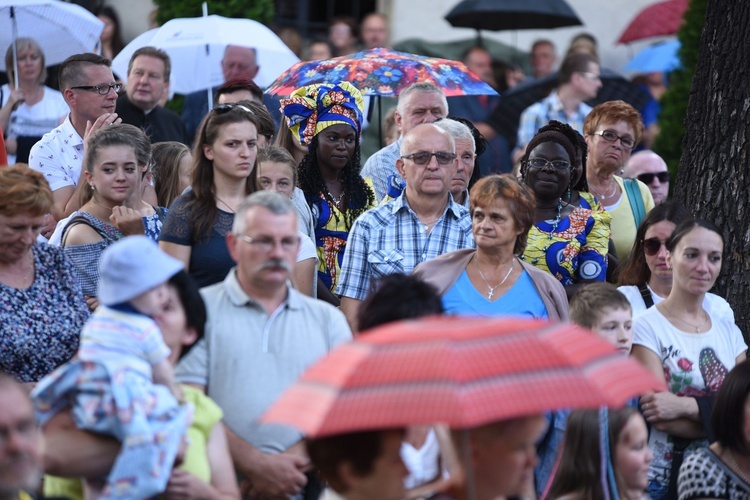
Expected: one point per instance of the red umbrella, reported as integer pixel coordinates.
(460, 371)
(659, 19)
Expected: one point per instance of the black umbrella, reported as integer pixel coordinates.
(500, 15)
(507, 115)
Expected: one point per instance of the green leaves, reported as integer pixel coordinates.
(259, 10)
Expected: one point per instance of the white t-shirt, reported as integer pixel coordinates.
(715, 305)
(36, 120)
(695, 364)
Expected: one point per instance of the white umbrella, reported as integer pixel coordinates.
(61, 29)
(196, 46)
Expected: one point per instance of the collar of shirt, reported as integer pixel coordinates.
(240, 298)
(401, 203)
(68, 130)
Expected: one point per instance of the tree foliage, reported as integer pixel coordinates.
(713, 179)
(668, 143)
(259, 10)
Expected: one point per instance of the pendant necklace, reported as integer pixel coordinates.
(606, 196)
(493, 288)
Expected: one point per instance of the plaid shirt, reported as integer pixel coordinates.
(380, 166)
(550, 108)
(391, 239)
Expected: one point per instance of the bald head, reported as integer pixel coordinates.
(649, 168)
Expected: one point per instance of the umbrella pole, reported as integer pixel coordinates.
(380, 122)
(209, 90)
(471, 487)
(15, 46)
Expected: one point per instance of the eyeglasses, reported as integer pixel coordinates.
(423, 157)
(101, 89)
(590, 76)
(541, 163)
(268, 244)
(651, 246)
(649, 178)
(226, 108)
(609, 136)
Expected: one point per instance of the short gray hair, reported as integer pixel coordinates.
(457, 130)
(422, 87)
(272, 201)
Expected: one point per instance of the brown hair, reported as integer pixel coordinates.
(520, 201)
(166, 157)
(24, 191)
(587, 306)
(613, 112)
(201, 204)
(239, 84)
(71, 71)
(156, 54)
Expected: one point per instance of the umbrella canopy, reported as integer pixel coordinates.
(61, 29)
(659, 19)
(658, 57)
(512, 14)
(506, 117)
(196, 46)
(383, 72)
(460, 371)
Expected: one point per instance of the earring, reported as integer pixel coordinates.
(93, 188)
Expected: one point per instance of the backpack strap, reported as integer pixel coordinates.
(636, 200)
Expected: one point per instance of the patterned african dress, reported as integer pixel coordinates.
(330, 237)
(576, 247)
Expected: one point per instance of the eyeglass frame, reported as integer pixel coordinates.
(450, 157)
(648, 245)
(116, 86)
(259, 243)
(548, 163)
(602, 132)
(651, 175)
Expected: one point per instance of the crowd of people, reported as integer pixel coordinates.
(164, 278)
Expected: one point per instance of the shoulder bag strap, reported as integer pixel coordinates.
(636, 200)
(646, 295)
(80, 220)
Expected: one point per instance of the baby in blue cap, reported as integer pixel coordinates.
(120, 382)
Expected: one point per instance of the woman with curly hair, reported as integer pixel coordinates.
(328, 120)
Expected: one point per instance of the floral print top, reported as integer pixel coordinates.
(40, 326)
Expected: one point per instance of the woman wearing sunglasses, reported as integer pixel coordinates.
(327, 118)
(612, 130)
(224, 165)
(568, 240)
(645, 279)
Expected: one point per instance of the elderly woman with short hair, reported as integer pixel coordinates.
(42, 308)
(492, 280)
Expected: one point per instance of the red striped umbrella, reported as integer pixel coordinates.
(460, 371)
(659, 19)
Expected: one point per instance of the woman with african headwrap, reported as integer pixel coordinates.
(328, 120)
(570, 241)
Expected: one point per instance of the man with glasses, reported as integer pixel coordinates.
(422, 223)
(260, 336)
(649, 168)
(579, 81)
(89, 89)
(148, 80)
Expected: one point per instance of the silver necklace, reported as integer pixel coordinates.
(693, 325)
(493, 288)
(231, 210)
(606, 196)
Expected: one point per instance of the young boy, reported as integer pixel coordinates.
(603, 309)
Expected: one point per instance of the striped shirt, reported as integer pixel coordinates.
(391, 239)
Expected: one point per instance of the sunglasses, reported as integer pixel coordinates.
(649, 178)
(226, 108)
(651, 246)
(423, 157)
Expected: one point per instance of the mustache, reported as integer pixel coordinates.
(275, 264)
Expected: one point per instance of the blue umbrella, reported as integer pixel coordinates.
(658, 57)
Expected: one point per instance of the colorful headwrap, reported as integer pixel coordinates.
(312, 109)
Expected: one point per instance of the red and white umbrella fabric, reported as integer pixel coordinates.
(459, 371)
(659, 19)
